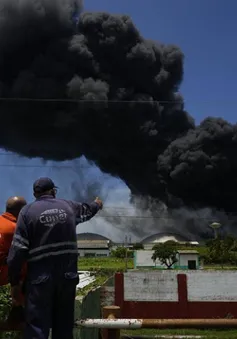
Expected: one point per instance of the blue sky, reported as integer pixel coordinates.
(205, 30)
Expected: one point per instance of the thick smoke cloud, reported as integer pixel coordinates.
(116, 103)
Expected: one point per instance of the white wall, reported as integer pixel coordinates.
(163, 286)
(212, 285)
(150, 286)
(97, 252)
(184, 258)
(143, 259)
(148, 246)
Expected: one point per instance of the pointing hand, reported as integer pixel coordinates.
(99, 202)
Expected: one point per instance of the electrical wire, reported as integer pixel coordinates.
(90, 101)
(64, 100)
(56, 166)
(44, 166)
(156, 217)
(146, 217)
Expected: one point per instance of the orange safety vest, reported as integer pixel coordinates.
(7, 229)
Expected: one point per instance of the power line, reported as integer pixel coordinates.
(89, 101)
(23, 156)
(156, 217)
(141, 217)
(111, 101)
(170, 217)
(122, 208)
(43, 166)
(60, 166)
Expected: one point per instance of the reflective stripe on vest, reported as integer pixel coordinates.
(55, 249)
(20, 242)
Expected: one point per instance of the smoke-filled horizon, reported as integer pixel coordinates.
(81, 181)
(121, 217)
(116, 102)
(77, 180)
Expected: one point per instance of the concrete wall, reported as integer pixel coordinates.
(212, 286)
(177, 294)
(163, 285)
(150, 286)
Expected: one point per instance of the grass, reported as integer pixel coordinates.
(105, 263)
(114, 264)
(219, 267)
(210, 334)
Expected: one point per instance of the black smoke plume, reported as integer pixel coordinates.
(115, 101)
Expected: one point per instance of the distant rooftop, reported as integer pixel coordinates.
(93, 244)
(90, 236)
(163, 237)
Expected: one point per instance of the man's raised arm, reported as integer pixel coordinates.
(84, 211)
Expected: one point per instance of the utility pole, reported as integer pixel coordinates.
(126, 253)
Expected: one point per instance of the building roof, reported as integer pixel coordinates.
(187, 252)
(163, 237)
(90, 236)
(93, 244)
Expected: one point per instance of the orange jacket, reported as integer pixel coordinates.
(7, 229)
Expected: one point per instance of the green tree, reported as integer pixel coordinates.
(120, 252)
(221, 251)
(5, 306)
(165, 253)
(171, 243)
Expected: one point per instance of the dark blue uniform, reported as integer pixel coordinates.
(45, 237)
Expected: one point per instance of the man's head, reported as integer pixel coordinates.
(14, 205)
(44, 186)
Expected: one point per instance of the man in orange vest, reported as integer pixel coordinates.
(7, 228)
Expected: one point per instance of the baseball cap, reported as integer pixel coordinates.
(43, 184)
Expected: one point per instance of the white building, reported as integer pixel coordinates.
(158, 238)
(93, 248)
(186, 259)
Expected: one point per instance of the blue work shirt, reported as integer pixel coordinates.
(45, 236)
